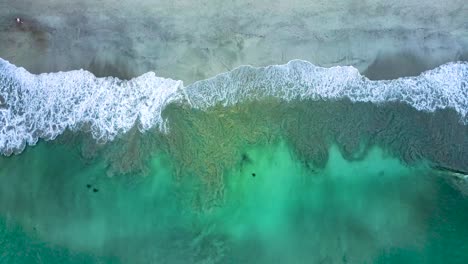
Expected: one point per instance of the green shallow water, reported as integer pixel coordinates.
(56, 207)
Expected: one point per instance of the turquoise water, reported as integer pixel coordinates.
(57, 207)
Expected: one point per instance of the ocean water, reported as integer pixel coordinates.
(259, 165)
(58, 208)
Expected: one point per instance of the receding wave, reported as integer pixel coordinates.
(43, 106)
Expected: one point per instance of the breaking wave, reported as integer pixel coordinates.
(445, 86)
(44, 105)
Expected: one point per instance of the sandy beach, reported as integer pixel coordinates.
(194, 40)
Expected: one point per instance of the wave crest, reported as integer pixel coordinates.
(445, 86)
(43, 106)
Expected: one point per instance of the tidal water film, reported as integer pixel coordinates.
(233, 132)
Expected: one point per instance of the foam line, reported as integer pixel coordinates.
(445, 86)
(43, 106)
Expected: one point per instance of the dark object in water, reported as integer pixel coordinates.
(253, 174)
(245, 158)
(95, 190)
(88, 186)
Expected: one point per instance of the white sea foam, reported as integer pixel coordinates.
(445, 86)
(43, 106)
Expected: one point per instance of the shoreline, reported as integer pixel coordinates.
(148, 95)
(191, 42)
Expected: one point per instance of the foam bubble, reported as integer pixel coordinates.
(43, 106)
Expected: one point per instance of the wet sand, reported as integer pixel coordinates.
(193, 40)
